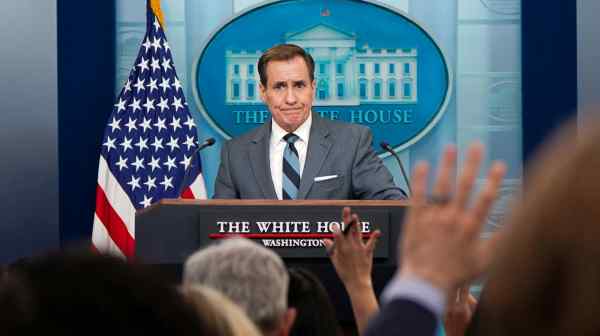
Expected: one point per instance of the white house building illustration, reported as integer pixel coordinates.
(346, 75)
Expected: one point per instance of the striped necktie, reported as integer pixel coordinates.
(291, 168)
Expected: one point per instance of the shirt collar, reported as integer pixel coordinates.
(302, 132)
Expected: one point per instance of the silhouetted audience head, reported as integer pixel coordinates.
(315, 313)
(547, 277)
(87, 294)
(225, 316)
(251, 275)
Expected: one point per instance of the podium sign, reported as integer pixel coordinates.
(171, 230)
(288, 231)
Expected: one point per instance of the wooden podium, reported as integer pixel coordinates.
(171, 230)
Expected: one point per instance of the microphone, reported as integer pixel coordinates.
(385, 146)
(206, 143)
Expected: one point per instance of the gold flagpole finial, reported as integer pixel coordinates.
(155, 5)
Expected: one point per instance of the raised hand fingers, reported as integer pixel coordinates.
(486, 197)
(353, 227)
(329, 246)
(346, 215)
(419, 183)
(445, 174)
(469, 173)
(370, 246)
(419, 190)
(463, 294)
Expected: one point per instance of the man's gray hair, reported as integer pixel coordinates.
(251, 275)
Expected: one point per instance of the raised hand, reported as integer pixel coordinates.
(440, 241)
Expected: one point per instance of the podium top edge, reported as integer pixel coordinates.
(270, 202)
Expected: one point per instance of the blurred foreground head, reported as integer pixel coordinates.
(546, 280)
(225, 316)
(87, 294)
(249, 274)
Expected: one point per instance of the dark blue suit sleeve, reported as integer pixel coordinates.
(403, 317)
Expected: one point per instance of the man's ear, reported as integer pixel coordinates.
(287, 321)
(313, 86)
(263, 92)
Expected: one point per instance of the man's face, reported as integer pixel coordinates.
(289, 92)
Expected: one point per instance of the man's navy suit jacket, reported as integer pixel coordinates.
(334, 148)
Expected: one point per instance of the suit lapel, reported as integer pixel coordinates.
(258, 156)
(318, 148)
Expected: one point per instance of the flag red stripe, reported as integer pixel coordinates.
(187, 193)
(114, 224)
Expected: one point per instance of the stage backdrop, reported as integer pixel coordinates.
(421, 74)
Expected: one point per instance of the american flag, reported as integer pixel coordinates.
(148, 146)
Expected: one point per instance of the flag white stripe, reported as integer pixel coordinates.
(102, 241)
(198, 188)
(117, 197)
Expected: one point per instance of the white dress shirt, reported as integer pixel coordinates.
(277, 146)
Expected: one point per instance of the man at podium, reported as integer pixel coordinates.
(298, 154)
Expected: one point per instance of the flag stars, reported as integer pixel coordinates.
(145, 124)
(160, 124)
(127, 86)
(152, 85)
(109, 143)
(138, 164)
(189, 142)
(177, 84)
(166, 46)
(190, 123)
(167, 182)
(173, 143)
(154, 163)
(135, 105)
(170, 163)
(146, 202)
(139, 85)
(156, 44)
(164, 104)
(175, 124)
(177, 104)
(115, 124)
(157, 144)
(149, 105)
(147, 45)
(126, 144)
(134, 183)
(165, 85)
(122, 163)
(156, 24)
(186, 161)
(131, 123)
(155, 65)
(141, 144)
(166, 64)
(150, 183)
(121, 104)
(143, 65)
